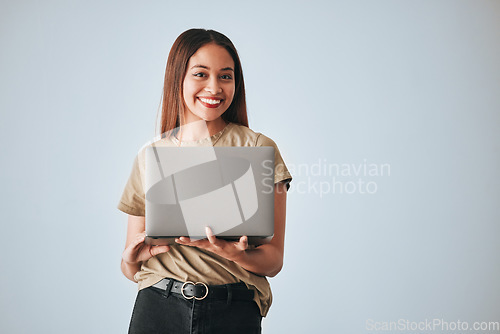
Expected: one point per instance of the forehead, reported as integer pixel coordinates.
(213, 56)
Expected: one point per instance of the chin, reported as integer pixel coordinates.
(210, 118)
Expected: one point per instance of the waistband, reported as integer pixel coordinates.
(200, 290)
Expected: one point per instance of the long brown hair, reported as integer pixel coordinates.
(172, 104)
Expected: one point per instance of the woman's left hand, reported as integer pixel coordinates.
(230, 250)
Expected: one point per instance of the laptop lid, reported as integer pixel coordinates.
(230, 189)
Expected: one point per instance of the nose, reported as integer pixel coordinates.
(213, 86)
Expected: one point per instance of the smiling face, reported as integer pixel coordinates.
(208, 87)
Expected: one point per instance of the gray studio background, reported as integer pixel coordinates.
(409, 84)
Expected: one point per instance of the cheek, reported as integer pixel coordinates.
(189, 90)
(230, 89)
(185, 91)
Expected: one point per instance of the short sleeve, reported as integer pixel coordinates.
(281, 173)
(133, 199)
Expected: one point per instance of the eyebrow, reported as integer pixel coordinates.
(206, 67)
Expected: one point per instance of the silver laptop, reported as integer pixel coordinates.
(230, 189)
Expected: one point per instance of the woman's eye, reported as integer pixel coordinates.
(226, 76)
(199, 74)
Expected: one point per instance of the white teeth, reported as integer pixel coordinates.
(209, 101)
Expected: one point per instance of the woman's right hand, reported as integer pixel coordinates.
(138, 251)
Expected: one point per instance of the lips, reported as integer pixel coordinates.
(210, 102)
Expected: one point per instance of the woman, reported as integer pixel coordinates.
(203, 81)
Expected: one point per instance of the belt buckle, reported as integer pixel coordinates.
(197, 283)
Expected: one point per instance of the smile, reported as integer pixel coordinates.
(210, 103)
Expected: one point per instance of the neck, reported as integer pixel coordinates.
(199, 129)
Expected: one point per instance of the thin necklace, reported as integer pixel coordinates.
(221, 132)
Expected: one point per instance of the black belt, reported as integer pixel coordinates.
(200, 291)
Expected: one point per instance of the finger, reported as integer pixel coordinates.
(243, 242)
(183, 240)
(188, 241)
(155, 250)
(137, 241)
(140, 236)
(212, 239)
(210, 235)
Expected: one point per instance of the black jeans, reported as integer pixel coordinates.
(157, 312)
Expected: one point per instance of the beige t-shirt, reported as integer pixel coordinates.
(186, 263)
